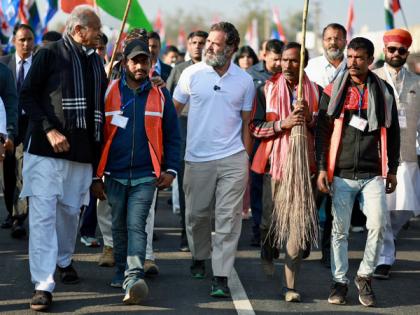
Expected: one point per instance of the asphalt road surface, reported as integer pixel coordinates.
(173, 291)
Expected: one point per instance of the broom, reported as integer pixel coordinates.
(294, 216)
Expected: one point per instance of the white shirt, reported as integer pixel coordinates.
(26, 65)
(216, 103)
(320, 71)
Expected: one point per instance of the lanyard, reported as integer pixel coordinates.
(391, 82)
(124, 106)
(361, 93)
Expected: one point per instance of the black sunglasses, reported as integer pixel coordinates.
(401, 51)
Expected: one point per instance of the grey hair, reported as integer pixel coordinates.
(79, 17)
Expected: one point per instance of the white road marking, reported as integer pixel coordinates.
(239, 297)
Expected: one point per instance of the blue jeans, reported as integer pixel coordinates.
(130, 207)
(372, 201)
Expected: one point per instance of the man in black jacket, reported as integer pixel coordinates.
(19, 63)
(159, 68)
(357, 143)
(63, 96)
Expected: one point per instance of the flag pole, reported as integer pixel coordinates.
(302, 50)
(114, 51)
(404, 19)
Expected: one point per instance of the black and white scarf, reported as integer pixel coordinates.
(73, 89)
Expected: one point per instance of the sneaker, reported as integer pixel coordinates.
(291, 295)
(107, 257)
(135, 293)
(18, 230)
(198, 269)
(90, 241)
(366, 295)
(117, 280)
(382, 272)
(219, 287)
(41, 300)
(183, 247)
(338, 293)
(68, 275)
(150, 268)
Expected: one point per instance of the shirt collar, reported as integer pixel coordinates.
(327, 64)
(232, 70)
(27, 60)
(158, 67)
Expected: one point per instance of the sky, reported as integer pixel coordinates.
(367, 12)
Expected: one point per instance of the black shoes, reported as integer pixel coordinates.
(183, 247)
(7, 223)
(41, 300)
(198, 269)
(338, 293)
(68, 275)
(366, 295)
(382, 272)
(219, 287)
(18, 230)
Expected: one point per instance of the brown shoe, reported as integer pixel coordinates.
(41, 300)
(68, 275)
(150, 268)
(107, 257)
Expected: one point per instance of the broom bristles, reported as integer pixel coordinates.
(295, 216)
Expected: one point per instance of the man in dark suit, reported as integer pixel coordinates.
(196, 43)
(159, 68)
(19, 63)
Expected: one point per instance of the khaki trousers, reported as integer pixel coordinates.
(217, 185)
(293, 255)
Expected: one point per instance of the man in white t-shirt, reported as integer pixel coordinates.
(220, 95)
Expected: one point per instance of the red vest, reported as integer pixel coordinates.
(152, 121)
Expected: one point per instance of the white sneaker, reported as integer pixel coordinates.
(136, 293)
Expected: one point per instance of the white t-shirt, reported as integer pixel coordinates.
(320, 71)
(216, 103)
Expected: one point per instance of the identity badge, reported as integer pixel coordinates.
(358, 122)
(402, 118)
(119, 121)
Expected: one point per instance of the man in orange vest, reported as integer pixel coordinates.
(357, 145)
(141, 153)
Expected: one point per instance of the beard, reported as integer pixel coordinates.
(395, 62)
(216, 60)
(138, 77)
(334, 53)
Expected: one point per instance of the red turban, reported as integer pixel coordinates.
(398, 35)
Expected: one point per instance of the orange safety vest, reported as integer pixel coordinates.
(153, 115)
(335, 144)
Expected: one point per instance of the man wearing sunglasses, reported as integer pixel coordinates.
(404, 203)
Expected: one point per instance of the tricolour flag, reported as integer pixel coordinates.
(277, 31)
(159, 27)
(251, 36)
(350, 20)
(112, 12)
(391, 7)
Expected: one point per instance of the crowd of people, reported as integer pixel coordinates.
(219, 124)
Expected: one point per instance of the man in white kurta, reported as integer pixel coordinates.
(404, 203)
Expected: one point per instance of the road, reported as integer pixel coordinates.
(175, 292)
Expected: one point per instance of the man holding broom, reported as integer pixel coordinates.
(358, 144)
(272, 122)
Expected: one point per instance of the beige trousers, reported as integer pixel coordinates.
(218, 185)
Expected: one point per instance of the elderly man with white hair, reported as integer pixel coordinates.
(63, 96)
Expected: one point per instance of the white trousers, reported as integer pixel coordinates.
(56, 189)
(395, 221)
(105, 224)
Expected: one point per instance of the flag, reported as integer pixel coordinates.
(391, 7)
(10, 10)
(112, 12)
(251, 36)
(159, 27)
(277, 31)
(350, 19)
(182, 38)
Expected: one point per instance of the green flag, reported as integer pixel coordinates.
(114, 10)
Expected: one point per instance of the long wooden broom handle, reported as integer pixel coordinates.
(114, 51)
(302, 51)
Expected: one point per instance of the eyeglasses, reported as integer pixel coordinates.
(401, 51)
